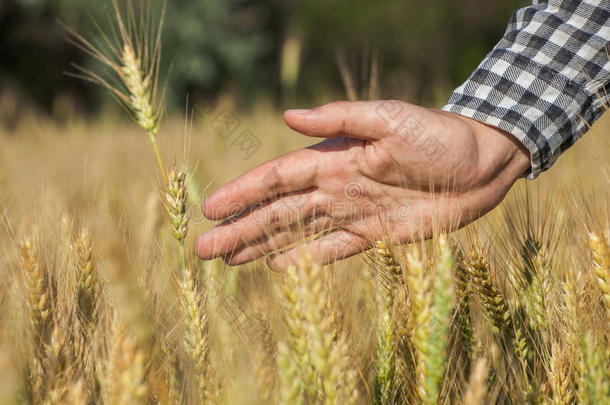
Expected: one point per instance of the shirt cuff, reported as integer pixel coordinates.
(526, 99)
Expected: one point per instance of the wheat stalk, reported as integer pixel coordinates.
(476, 392)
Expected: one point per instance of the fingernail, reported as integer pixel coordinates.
(301, 111)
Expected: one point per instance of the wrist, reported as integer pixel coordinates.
(500, 155)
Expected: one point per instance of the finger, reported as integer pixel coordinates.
(292, 172)
(278, 241)
(357, 119)
(259, 222)
(332, 246)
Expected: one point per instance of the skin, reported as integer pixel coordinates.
(385, 169)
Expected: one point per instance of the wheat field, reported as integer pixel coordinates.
(102, 299)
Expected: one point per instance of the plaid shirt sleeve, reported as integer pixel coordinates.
(546, 80)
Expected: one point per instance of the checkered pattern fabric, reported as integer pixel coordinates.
(546, 80)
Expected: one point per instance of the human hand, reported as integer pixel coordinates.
(385, 169)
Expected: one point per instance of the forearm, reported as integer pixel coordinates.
(547, 79)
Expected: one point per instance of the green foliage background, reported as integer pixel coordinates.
(234, 46)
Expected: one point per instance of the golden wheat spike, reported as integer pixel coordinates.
(290, 384)
(559, 376)
(195, 329)
(600, 255)
(134, 59)
(124, 382)
(389, 276)
(87, 299)
(421, 303)
(319, 328)
(295, 320)
(39, 296)
(493, 302)
(175, 204)
(262, 357)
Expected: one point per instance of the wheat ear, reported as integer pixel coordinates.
(440, 322)
(389, 275)
(389, 270)
(195, 319)
(87, 282)
(539, 292)
(196, 329)
(125, 379)
(460, 344)
(39, 300)
(319, 328)
(594, 380)
(421, 302)
(385, 352)
(463, 295)
(175, 199)
(559, 376)
(77, 395)
(170, 359)
(262, 356)
(135, 62)
(295, 320)
(600, 254)
(493, 302)
(348, 390)
(496, 310)
(290, 381)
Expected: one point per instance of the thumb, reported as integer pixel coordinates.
(358, 119)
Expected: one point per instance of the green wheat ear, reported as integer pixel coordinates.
(389, 274)
(440, 322)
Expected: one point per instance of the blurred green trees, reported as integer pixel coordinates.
(215, 46)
